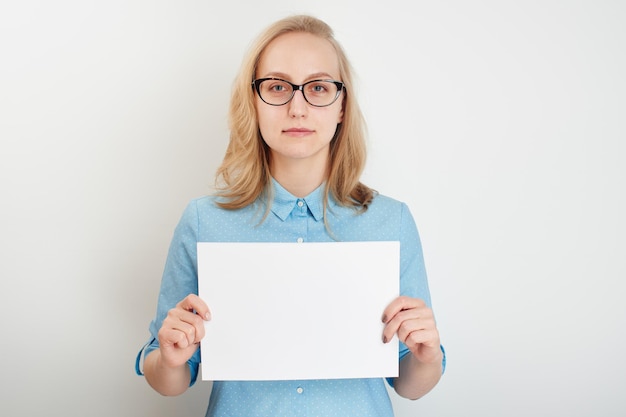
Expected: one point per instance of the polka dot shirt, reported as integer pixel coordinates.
(290, 219)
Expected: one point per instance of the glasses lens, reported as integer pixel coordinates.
(275, 91)
(320, 93)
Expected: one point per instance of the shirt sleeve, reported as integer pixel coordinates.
(180, 278)
(413, 278)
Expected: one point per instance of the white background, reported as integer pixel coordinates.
(500, 123)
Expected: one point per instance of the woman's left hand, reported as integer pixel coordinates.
(414, 323)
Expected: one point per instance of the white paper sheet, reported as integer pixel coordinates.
(284, 311)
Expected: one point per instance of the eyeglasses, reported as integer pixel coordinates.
(318, 93)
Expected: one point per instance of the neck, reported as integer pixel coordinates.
(298, 177)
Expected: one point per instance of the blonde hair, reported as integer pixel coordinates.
(244, 174)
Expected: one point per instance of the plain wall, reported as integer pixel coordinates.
(500, 123)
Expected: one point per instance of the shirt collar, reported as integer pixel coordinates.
(284, 202)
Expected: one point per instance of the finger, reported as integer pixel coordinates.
(175, 328)
(193, 303)
(188, 330)
(428, 337)
(406, 321)
(408, 327)
(425, 345)
(398, 304)
(173, 337)
(186, 322)
(394, 326)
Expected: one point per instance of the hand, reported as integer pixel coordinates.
(414, 323)
(182, 330)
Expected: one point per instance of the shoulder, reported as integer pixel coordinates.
(386, 200)
(392, 210)
(211, 222)
(381, 206)
(385, 204)
(206, 204)
(199, 208)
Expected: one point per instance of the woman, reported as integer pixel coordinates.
(291, 173)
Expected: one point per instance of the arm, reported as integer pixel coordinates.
(164, 380)
(417, 378)
(410, 317)
(413, 321)
(166, 368)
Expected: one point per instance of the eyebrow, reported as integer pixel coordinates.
(315, 76)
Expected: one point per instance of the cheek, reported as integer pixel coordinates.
(340, 116)
(264, 119)
(265, 124)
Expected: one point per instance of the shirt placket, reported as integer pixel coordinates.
(301, 215)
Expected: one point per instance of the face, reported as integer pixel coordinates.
(298, 132)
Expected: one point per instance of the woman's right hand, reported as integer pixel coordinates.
(182, 330)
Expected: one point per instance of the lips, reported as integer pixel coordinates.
(297, 130)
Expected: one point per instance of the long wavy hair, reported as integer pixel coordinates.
(244, 175)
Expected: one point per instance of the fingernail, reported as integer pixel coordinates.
(384, 319)
(384, 339)
(207, 316)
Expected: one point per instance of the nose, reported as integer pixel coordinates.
(298, 106)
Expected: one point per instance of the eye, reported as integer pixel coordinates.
(277, 88)
(319, 88)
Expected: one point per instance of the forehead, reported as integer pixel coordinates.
(299, 55)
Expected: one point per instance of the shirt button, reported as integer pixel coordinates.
(300, 390)
(300, 240)
(300, 203)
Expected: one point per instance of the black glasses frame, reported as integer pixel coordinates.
(256, 85)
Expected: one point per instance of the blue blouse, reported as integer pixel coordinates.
(290, 219)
